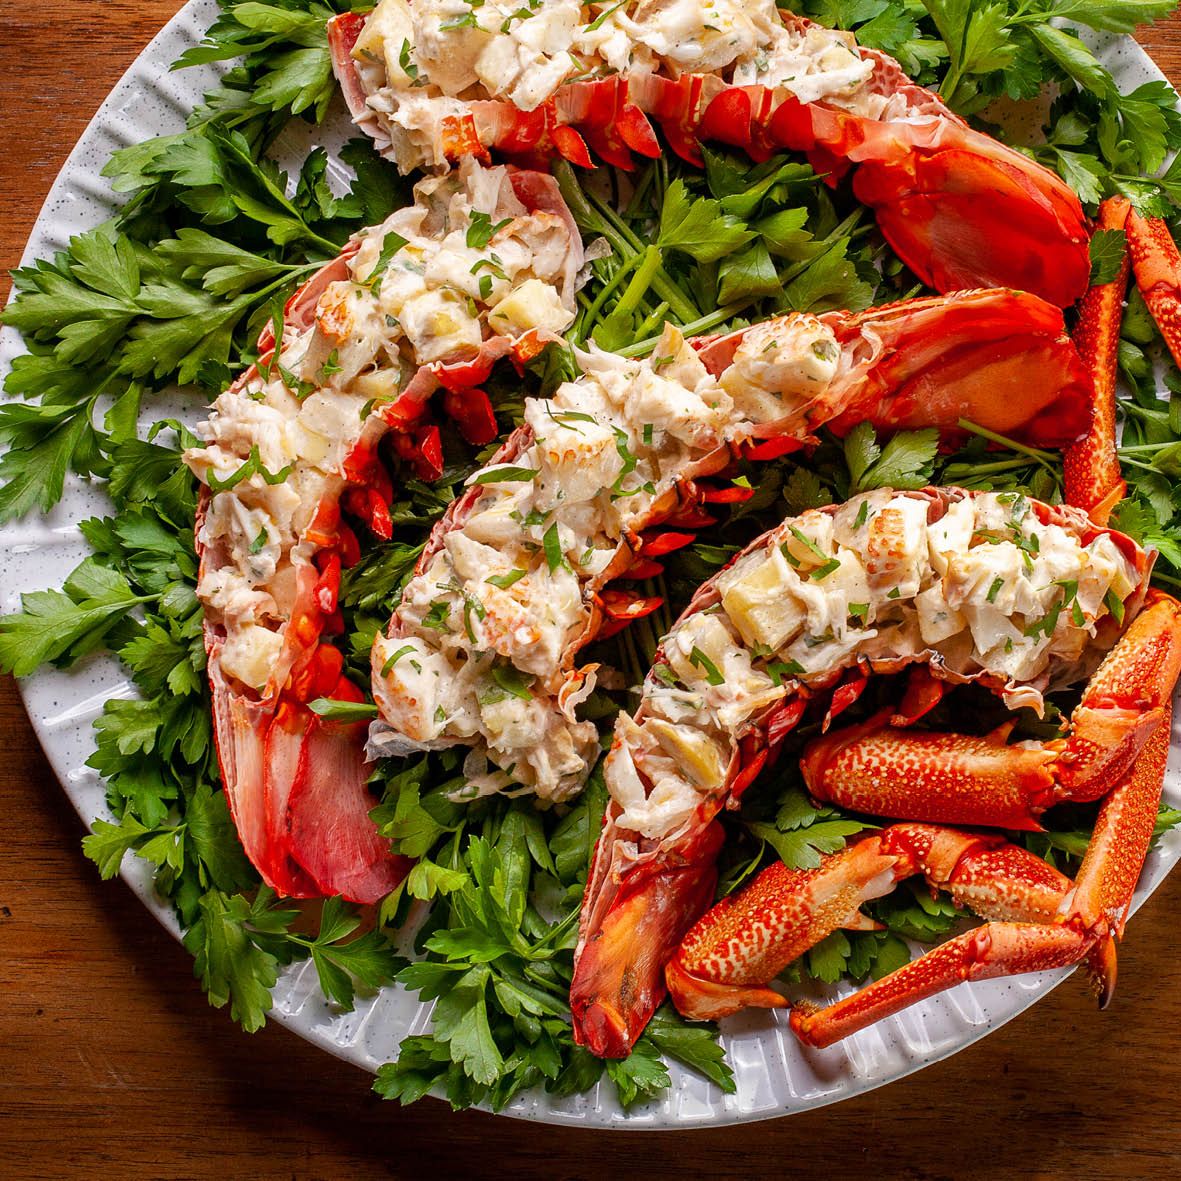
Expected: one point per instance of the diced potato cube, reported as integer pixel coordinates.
(532, 305)
(762, 607)
(697, 754)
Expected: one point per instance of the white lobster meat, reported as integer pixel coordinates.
(481, 651)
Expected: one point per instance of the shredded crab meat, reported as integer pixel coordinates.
(465, 262)
(988, 591)
(421, 61)
(478, 653)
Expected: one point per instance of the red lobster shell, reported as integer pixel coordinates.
(296, 783)
(644, 893)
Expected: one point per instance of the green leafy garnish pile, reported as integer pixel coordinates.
(211, 240)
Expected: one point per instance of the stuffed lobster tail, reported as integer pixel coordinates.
(936, 580)
(612, 472)
(482, 266)
(960, 208)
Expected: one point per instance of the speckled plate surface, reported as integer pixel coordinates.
(775, 1075)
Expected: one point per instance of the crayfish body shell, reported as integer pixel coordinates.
(969, 585)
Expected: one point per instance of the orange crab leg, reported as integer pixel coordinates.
(1092, 472)
(957, 779)
(994, 949)
(1086, 926)
(1156, 263)
(748, 939)
(1115, 856)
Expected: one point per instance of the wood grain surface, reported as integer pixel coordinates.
(112, 1065)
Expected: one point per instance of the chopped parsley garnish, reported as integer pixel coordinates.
(513, 681)
(780, 670)
(1115, 605)
(552, 544)
(333, 710)
(390, 246)
(997, 583)
(388, 667)
(698, 659)
(859, 611)
(252, 467)
(504, 475)
(827, 564)
(330, 366)
(630, 463)
(408, 66)
(521, 14)
(599, 20)
(439, 614)
(504, 581)
(257, 544)
(481, 230)
(862, 515)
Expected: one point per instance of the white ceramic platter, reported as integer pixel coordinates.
(775, 1075)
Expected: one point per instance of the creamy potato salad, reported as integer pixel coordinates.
(420, 62)
(986, 590)
(467, 262)
(480, 651)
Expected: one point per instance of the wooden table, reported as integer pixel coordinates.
(112, 1065)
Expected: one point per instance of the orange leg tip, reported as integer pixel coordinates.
(703, 1000)
(806, 1024)
(1102, 965)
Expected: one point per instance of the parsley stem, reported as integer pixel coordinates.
(1043, 457)
(1145, 467)
(595, 307)
(594, 214)
(691, 328)
(640, 281)
(654, 320)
